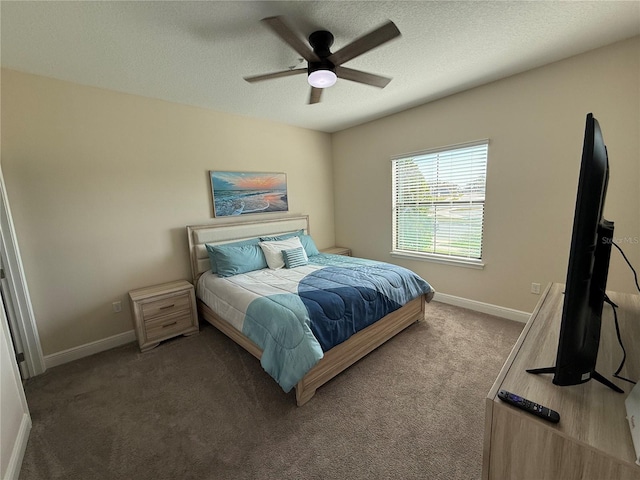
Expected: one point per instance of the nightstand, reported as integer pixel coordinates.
(163, 311)
(338, 251)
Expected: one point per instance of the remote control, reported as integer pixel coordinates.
(529, 406)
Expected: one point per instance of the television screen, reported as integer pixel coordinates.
(588, 268)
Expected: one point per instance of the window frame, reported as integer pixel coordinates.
(457, 260)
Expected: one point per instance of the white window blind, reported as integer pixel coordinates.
(438, 201)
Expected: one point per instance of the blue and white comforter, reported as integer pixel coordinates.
(294, 315)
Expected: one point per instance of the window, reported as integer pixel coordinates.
(438, 203)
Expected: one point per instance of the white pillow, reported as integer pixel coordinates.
(273, 251)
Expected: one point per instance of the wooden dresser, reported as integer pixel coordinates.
(592, 440)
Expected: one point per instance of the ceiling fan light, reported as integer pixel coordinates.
(322, 78)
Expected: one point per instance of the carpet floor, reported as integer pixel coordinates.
(201, 407)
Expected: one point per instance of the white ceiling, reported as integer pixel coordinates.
(196, 53)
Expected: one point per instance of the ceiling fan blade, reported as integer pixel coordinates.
(278, 25)
(365, 43)
(269, 76)
(362, 77)
(315, 95)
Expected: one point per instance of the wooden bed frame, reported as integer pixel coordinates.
(335, 360)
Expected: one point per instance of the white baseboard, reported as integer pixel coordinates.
(19, 447)
(476, 306)
(87, 349)
(98, 346)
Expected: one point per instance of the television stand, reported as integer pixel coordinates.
(592, 441)
(594, 376)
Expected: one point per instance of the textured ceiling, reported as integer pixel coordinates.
(196, 53)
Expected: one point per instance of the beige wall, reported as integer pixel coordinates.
(535, 123)
(102, 184)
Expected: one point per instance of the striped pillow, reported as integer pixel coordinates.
(296, 257)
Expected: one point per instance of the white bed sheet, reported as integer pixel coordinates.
(229, 297)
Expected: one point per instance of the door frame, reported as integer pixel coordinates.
(18, 291)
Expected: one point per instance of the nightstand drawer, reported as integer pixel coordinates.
(164, 327)
(170, 305)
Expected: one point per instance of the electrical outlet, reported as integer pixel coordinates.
(535, 288)
(117, 306)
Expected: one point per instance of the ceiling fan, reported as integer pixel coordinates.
(324, 67)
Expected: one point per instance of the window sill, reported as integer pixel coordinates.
(425, 257)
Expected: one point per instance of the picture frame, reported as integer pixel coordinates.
(245, 193)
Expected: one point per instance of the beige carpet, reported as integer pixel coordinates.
(200, 407)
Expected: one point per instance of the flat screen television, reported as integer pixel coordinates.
(589, 254)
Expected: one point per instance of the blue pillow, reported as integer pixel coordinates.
(284, 236)
(210, 251)
(294, 258)
(232, 260)
(309, 245)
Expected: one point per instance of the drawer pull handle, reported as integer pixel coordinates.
(169, 324)
(168, 306)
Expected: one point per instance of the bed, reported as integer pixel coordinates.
(232, 300)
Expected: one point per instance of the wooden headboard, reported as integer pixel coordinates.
(216, 234)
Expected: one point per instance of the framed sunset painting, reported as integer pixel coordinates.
(242, 193)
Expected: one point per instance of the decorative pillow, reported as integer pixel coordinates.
(306, 240)
(296, 257)
(273, 251)
(210, 251)
(238, 259)
(309, 245)
(284, 236)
